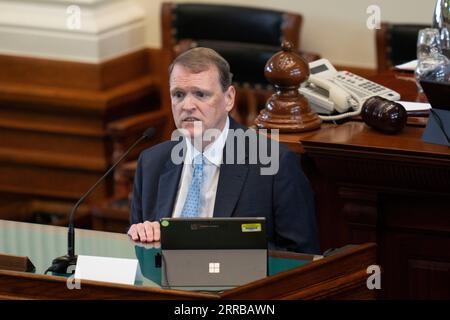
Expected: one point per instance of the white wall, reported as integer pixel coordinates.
(335, 29)
(46, 29)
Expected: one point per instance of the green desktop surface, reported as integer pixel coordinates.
(42, 243)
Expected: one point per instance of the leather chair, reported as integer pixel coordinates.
(246, 37)
(396, 44)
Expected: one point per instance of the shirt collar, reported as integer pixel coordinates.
(213, 152)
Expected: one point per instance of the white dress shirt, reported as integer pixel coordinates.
(212, 156)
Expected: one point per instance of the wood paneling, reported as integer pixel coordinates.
(341, 276)
(53, 119)
(76, 75)
(392, 190)
(419, 263)
(336, 277)
(389, 189)
(19, 285)
(16, 263)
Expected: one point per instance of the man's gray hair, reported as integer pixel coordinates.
(200, 59)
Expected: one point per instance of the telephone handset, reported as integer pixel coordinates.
(341, 98)
(330, 91)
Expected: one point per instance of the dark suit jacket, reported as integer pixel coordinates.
(284, 199)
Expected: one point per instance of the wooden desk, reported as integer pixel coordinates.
(342, 275)
(390, 189)
(393, 190)
(402, 82)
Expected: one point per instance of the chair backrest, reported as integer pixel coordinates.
(246, 37)
(228, 23)
(396, 44)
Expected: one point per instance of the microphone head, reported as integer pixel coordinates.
(149, 133)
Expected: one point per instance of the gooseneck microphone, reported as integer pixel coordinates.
(60, 264)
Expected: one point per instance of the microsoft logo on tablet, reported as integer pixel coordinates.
(214, 267)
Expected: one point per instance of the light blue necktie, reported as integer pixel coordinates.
(191, 208)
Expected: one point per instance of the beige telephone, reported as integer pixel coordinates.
(330, 91)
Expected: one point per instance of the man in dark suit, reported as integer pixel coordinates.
(217, 175)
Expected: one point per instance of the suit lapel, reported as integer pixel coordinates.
(167, 189)
(231, 180)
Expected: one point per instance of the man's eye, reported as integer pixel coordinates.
(178, 94)
(200, 94)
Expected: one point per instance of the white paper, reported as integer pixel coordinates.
(408, 66)
(415, 106)
(115, 270)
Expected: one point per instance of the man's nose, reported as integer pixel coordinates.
(189, 103)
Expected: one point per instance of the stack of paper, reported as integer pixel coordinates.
(408, 66)
(415, 106)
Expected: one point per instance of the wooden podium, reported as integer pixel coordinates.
(342, 275)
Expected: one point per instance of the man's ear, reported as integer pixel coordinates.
(230, 96)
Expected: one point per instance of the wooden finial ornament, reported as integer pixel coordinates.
(287, 109)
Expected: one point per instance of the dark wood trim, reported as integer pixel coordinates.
(64, 192)
(49, 182)
(291, 255)
(55, 160)
(342, 276)
(54, 115)
(29, 286)
(381, 47)
(351, 286)
(68, 100)
(125, 68)
(392, 189)
(76, 75)
(14, 124)
(154, 61)
(166, 25)
(167, 54)
(306, 284)
(15, 263)
(121, 129)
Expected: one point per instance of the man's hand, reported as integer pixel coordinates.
(145, 232)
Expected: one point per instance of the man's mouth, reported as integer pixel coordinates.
(190, 119)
